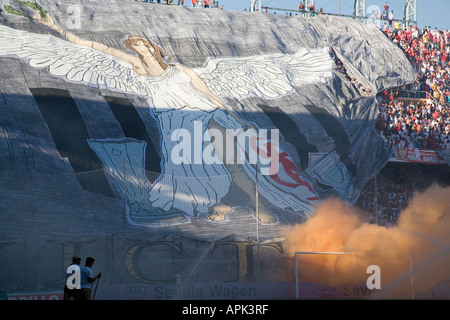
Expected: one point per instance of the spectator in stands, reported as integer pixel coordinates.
(391, 17)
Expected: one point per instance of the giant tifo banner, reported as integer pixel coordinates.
(124, 124)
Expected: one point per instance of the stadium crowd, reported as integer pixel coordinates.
(389, 199)
(423, 122)
(416, 116)
(395, 186)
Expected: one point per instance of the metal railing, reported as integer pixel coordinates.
(410, 94)
(315, 13)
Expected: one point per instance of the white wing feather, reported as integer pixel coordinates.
(74, 62)
(266, 75)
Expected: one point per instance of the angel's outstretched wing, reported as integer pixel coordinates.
(76, 63)
(266, 75)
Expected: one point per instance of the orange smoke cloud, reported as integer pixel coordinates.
(413, 256)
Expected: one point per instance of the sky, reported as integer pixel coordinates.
(433, 13)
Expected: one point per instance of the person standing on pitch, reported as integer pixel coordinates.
(87, 278)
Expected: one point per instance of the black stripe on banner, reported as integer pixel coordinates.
(291, 133)
(335, 131)
(134, 127)
(70, 135)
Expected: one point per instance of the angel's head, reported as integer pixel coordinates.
(146, 49)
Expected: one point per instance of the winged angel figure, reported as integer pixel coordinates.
(182, 98)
